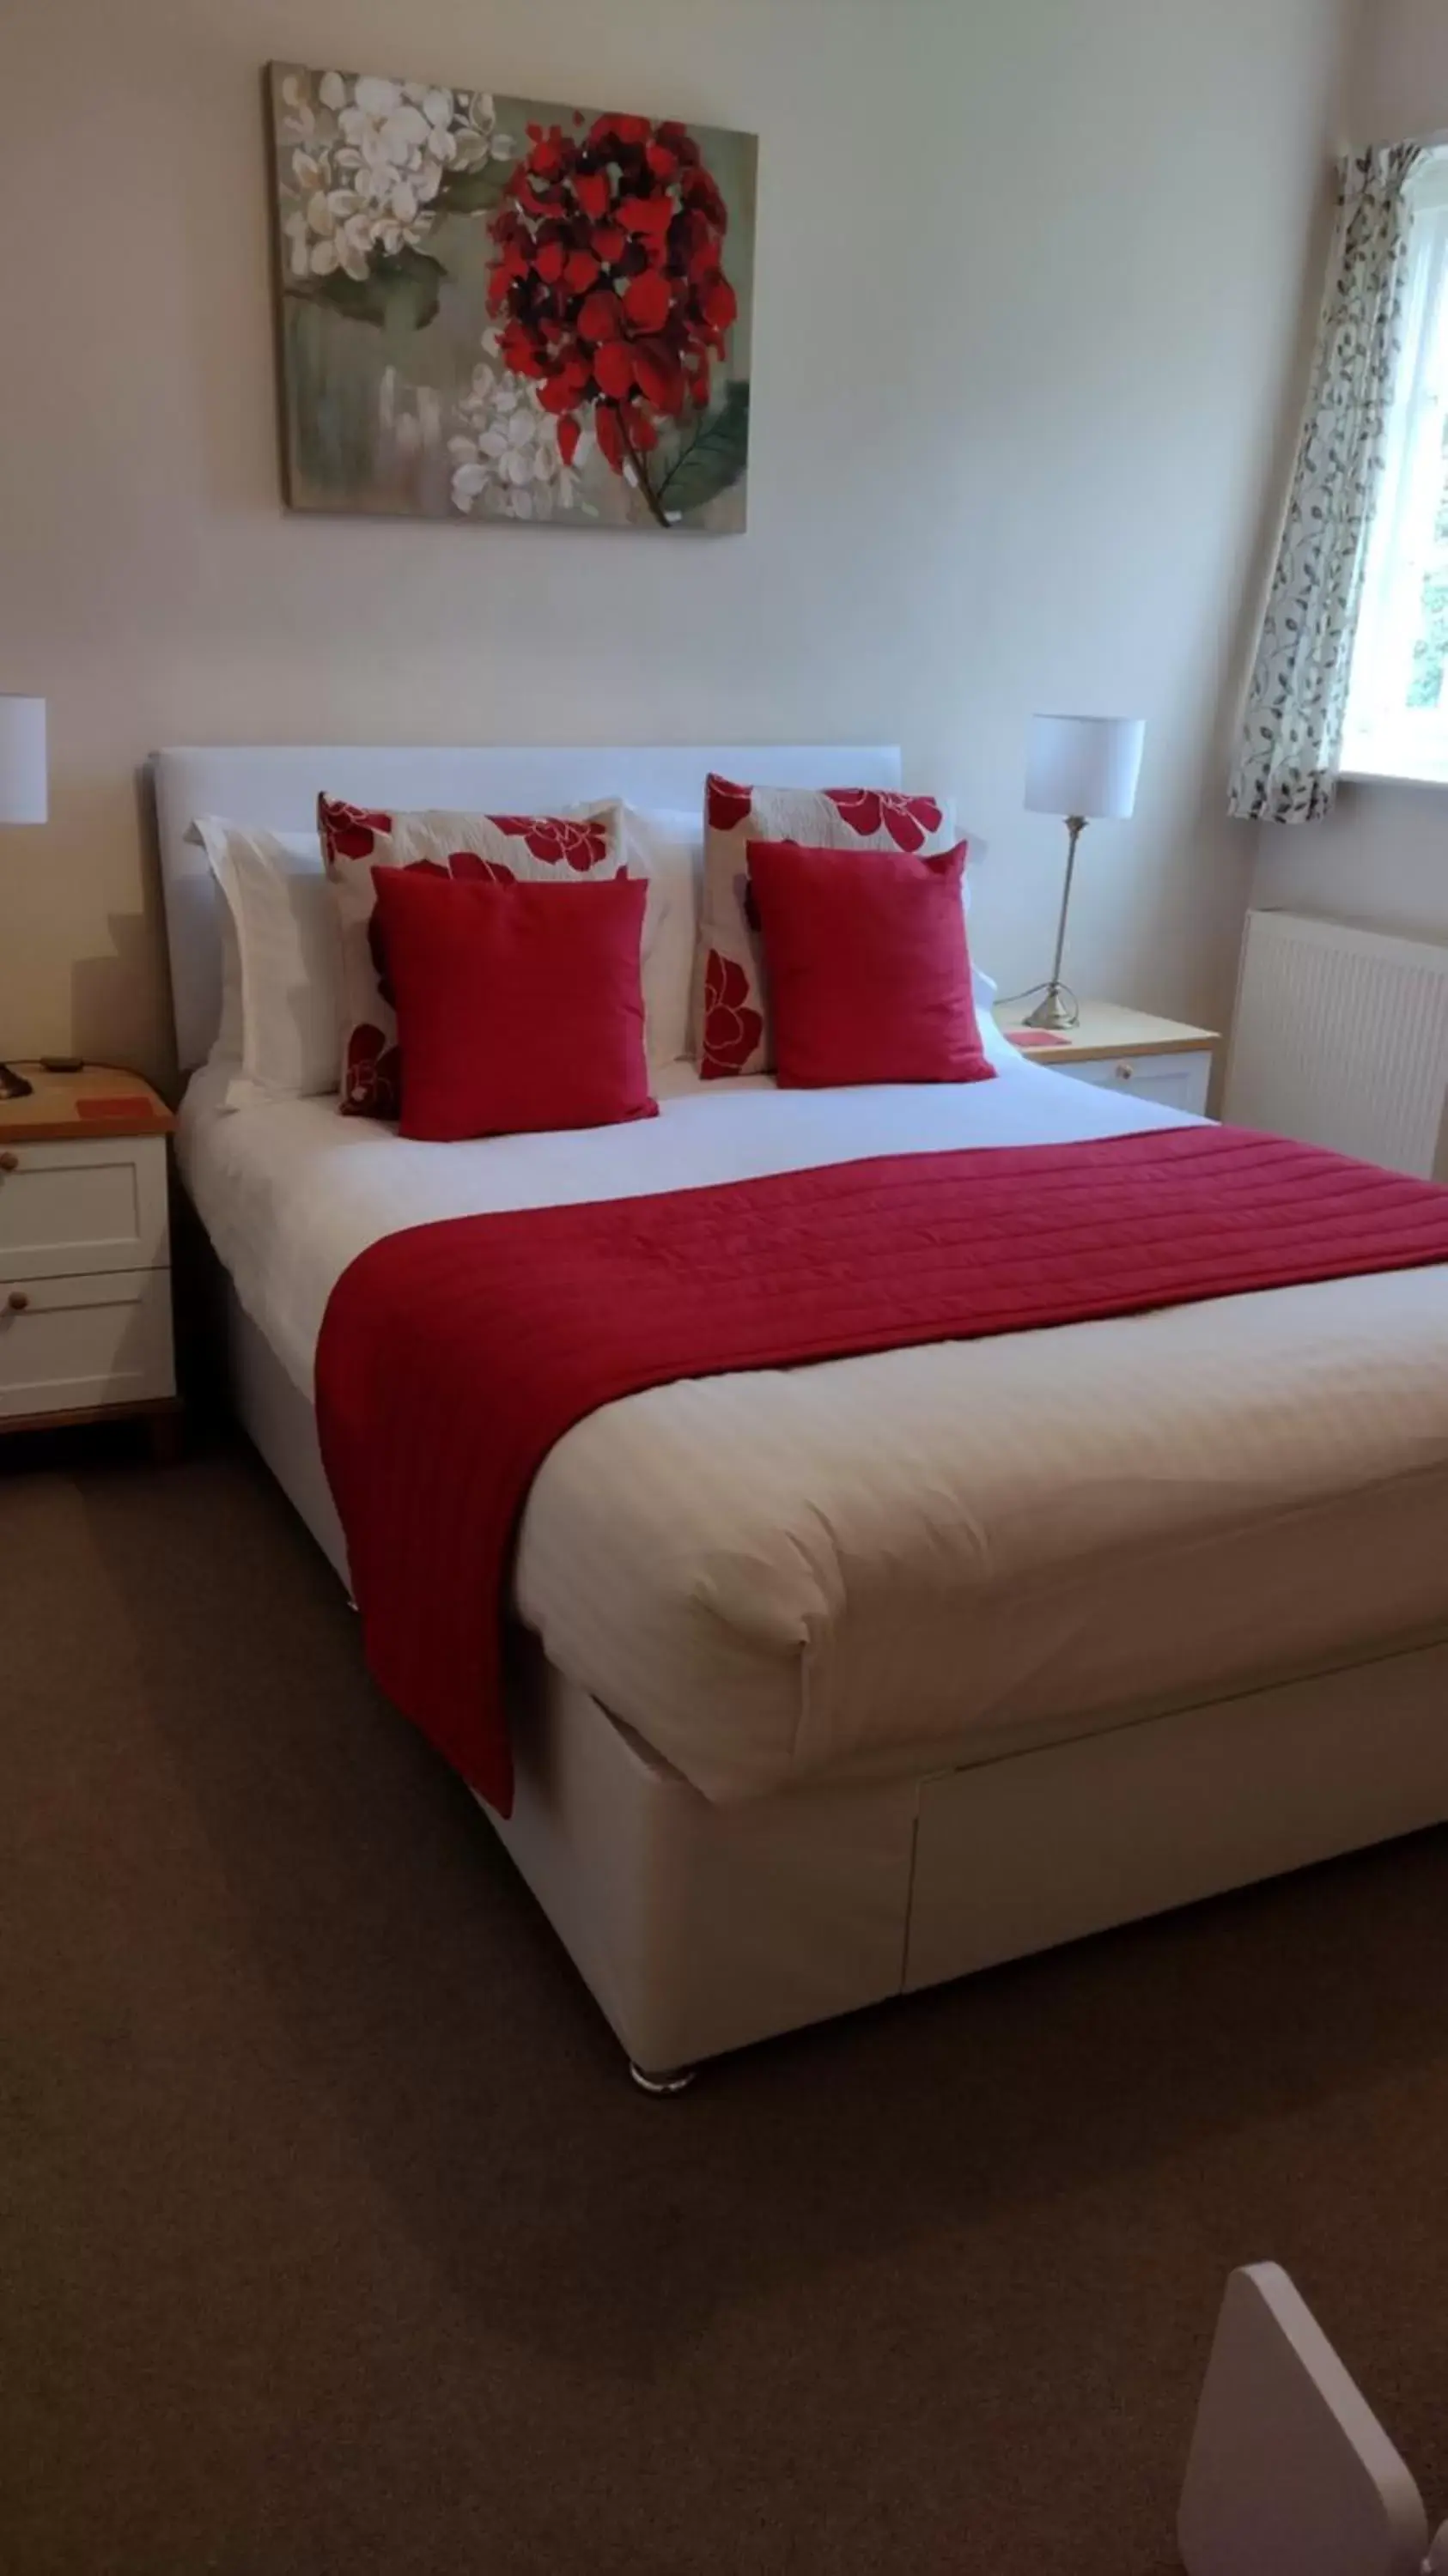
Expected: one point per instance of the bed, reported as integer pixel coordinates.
(836, 1682)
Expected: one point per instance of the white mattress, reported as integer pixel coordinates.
(921, 1555)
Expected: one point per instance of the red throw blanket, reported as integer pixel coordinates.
(454, 1355)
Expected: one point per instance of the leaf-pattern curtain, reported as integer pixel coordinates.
(1291, 742)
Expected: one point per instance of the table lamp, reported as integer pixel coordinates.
(22, 800)
(1085, 769)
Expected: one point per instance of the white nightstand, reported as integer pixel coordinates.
(1165, 1060)
(85, 1254)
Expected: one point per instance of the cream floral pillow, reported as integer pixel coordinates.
(731, 1014)
(584, 841)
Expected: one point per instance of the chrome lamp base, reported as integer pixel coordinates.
(1059, 1010)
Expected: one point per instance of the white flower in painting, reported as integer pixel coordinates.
(506, 458)
(475, 132)
(339, 234)
(436, 104)
(301, 118)
(367, 163)
(394, 153)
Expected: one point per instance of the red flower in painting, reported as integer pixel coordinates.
(373, 1085)
(349, 831)
(727, 805)
(554, 839)
(608, 283)
(909, 820)
(732, 1030)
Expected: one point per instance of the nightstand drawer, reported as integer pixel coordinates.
(1176, 1081)
(92, 1205)
(68, 1345)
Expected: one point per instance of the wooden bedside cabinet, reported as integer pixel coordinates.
(85, 1254)
(1119, 1050)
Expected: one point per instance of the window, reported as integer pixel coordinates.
(1397, 718)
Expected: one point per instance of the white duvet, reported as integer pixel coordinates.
(923, 1555)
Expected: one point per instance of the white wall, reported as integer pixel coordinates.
(1399, 70)
(1030, 280)
(1381, 857)
(1382, 854)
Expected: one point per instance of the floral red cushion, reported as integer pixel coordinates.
(868, 969)
(549, 849)
(519, 1007)
(731, 1010)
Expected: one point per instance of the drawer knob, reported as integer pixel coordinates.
(17, 1301)
(9, 1162)
(1126, 1073)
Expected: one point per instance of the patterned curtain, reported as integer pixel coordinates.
(1291, 740)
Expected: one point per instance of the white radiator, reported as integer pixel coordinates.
(1341, 1038)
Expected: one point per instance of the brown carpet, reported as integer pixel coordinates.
(334, 2237)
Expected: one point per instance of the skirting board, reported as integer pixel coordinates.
(700, 1929)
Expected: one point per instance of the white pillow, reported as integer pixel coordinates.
(226, 1045)
(668, 849)
(281, 909)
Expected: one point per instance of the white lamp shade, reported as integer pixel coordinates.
(1084, 765)
(22, 760)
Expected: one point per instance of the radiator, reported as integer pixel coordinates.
(1341, 1038)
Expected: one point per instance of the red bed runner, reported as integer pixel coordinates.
(454, 1355)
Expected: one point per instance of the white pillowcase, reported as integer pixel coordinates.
(226, 1045)
(668, 849)
(281, 1012)
(280, 908)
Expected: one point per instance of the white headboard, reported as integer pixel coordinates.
(278, 786)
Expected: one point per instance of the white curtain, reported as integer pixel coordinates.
(1291, 742)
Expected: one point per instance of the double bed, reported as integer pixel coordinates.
(831, 1682)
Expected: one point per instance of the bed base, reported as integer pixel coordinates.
(699, 1929)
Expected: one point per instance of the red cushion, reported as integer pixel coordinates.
(866, 961)
(519, 1006)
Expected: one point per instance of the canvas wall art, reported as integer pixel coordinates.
(500, 309)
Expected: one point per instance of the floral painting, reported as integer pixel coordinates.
(500, 309)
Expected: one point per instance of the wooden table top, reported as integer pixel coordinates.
(1108, 1029)
(100, 1100)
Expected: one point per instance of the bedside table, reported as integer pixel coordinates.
(85, 1255)
(1120, 1050)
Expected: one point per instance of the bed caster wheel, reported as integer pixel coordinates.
(660, 2088)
